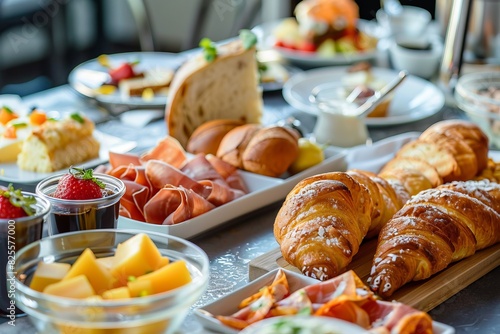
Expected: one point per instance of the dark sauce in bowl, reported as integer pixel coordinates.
(85, 217)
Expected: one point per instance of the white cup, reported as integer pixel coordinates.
(412, 21)
(336, 128)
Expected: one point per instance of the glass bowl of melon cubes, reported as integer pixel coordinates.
(109, 281)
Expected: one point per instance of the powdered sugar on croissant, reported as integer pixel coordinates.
(435, 228)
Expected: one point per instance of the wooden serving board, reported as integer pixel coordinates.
(423, 295)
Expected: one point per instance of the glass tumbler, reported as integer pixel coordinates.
(80, 215)
(15, 234)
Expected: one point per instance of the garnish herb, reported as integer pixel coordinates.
(85, 174)
(77, 117)
(209, 49)
(248, 38)
(17, 199)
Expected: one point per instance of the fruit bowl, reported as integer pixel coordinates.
(478, 95)
(156, 313)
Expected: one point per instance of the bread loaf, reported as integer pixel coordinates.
(59, 144)
(226, 88)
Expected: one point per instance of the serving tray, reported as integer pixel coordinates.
(423, 295)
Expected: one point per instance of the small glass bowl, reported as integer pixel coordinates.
(159, 313)
(478, 95)
(78, 215)
(14, 235)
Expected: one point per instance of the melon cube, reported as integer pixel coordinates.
(163, 262)
(75, 287)
(48, 273)
(116, 293)
(106, 262)
(169, 277)
(140, 288)
(135, 257)
(86, 264)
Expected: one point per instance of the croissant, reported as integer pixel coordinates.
(324, 219)
(452, 150)
(433, 229)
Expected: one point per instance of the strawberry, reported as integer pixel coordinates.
(13, 204)
(124, 71)
(79, 184)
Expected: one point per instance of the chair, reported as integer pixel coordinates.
(179, 25)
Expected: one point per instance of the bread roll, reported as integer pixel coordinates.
(271, 151)
(233, 144)
(226, 88)
(207, 137)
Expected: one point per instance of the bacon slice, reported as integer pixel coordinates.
(172, 205)
(168, 150)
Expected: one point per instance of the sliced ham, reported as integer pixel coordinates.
(123, 159)
(161, 174)
(163, 187)
(172, 205)
(199, 169)
(219, 194)
(231, 174)
(258, 306)
(167, 150)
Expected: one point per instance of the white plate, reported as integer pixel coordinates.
(88, 76)
(278, 84)
(413, 100)
(263, 191)
(267, 41)
(10, 172)
(229, 304)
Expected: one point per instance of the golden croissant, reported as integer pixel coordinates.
(452, 150)
(433, 229)
(324, 219)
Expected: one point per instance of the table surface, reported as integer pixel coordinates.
(232, 246)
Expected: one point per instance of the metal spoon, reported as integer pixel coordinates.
(379, 96)
(364, 108)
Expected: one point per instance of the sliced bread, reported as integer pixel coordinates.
(225, 88)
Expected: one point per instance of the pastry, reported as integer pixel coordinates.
(325, 217)
(59, 144)
(225, 88)
(322, 222)
(433, 229)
